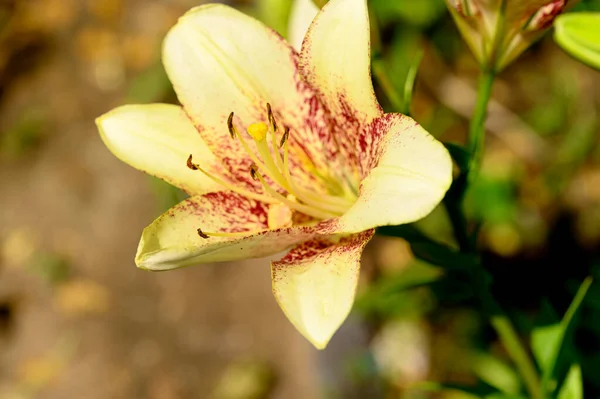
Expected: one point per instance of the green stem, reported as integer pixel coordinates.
(476, 140)
(498, 319)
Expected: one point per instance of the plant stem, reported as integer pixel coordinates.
(476, 140)
(498, 319)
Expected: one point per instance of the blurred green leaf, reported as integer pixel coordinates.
(51, 267)
(409, 83)
(496, 373)
(419, 13)
(378, 67)
(396, 294)
(579, 35)
(492, 200)
(152, 85)
(544, 340)
(166, 194)
(481, 390)
(441, 255)
(587, 5)
(275, 13)
(547, 341)
(459, 154)
(407, 231)
(25, 133)
(572, 387)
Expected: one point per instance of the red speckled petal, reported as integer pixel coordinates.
(220, 61)
(406, 174)
(172, 240)
(315, 284)
(335, 59)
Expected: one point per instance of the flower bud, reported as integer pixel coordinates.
(498, 31)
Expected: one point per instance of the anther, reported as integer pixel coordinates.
(271, 118)
(190, 164)
(230, 126)
(285, 136)
(201, 234)
(254, 172)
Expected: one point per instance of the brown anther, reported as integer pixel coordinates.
(254, 172)
(201, 234)
(190, 164)
(284, 138)
(271, 117)
(230, 126)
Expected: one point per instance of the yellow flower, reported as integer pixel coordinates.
(498, 31)
(307, 160)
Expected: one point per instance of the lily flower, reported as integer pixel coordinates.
(278, 150)
(498, 31)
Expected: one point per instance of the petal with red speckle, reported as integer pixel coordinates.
(173, 240)
(315, 284)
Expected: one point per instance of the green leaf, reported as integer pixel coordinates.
(573, 386)
(409, 83)
(480, 390)
(544, 341)
(579, 35)
(547, 341)
(151, 85)
(496, 373)
(407, 231)
(441, 255)
(459, 154)
(275, 13)
(400, 294)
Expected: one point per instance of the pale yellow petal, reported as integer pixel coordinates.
(221, 61)
(302, 14)
(315, 284)
(336, 60)
(173, 240)
(158, 139)
(407, 177)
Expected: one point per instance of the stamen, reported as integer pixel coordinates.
(307, 210)
(271, 118)
(240, 234)
(231, 187)
(253, 172)
(232, 130)
(191, 165)
(202, 234)
(285, 136)
(261, 166)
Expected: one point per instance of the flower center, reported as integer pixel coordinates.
(327, 199)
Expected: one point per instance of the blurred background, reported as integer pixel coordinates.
(78, 320)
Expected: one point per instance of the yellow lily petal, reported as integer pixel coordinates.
(220, 60)
(315, 284)
(302, 14)
(173, 240)
(158, 138)
(336, 59)
(406, 178)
